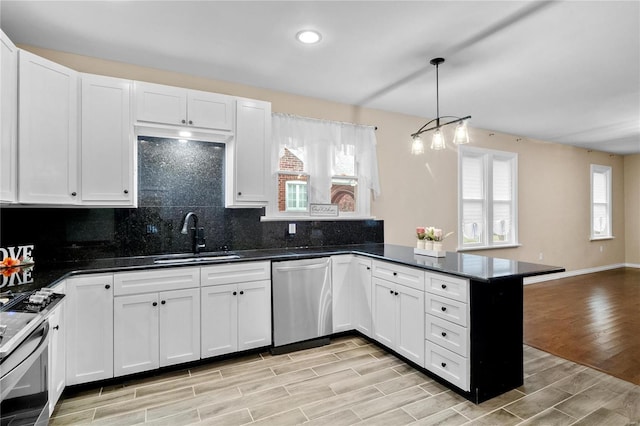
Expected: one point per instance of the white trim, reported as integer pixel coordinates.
(567, 274)
(607, 171)
(487, 156)
(496, 247)
(293, 218)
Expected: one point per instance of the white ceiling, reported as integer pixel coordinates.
(561, 71)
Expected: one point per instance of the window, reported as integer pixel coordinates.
(601, 202)
(296, 196)
(323, 162)
(487, 207)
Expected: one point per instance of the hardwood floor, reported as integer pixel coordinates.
(350, 381)
(592, 319)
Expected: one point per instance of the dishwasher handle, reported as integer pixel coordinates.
(301, 267)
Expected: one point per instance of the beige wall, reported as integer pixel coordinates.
(553, 179)
(632, 208)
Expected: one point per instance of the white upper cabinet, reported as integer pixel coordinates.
(156, 103)
(8, 119)
(48, 132)
(248, 155)
(106, 142)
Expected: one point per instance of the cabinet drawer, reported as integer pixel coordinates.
(445, 308)
(411, 277)
(448, 365)
(448, 286)
(447, 334)
(235, 273)
(155, 280)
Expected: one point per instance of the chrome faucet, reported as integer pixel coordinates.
(197, 234)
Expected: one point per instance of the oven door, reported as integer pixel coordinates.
(24, 381)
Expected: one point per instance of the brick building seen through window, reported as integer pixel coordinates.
(343, 190)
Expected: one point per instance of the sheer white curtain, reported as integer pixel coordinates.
(315, 141)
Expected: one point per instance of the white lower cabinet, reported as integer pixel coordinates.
(361, 296)
(351, 291)
(236, 314)
(57, 351)
(447, 337)
(341, 288)
(136, 333)
(153, 330)
(235, 317)
(89, 328)
(398, 323)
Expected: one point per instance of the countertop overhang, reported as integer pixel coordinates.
(465, 265)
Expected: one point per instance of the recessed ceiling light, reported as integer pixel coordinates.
(308, 36)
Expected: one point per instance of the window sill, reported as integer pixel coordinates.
(505, 246)
(294, 218)
(601, 238)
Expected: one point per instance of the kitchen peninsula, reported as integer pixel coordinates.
(456, 318)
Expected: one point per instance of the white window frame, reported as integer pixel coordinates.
(606, 171)
(487, 156)
(297, 183)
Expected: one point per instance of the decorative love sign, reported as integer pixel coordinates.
(16, 252)
(16, 265)
(323, 209)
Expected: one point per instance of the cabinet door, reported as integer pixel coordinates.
(219, 313)
(135, 333)
(48, 127)
(342, 282)
(106, 141)
(254, 314)
(179, 326)
(8, 119)
(57, 356)
(384, 306)
(361, 296)
(89, 328)
(410, 323)
(209, 110)
(249, 154)
(156, 103)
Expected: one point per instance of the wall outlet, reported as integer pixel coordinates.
(292, 228)
(540, 257)
(601, 249)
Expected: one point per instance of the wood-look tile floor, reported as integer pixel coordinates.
(350, 381)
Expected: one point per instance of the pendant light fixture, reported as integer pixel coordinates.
(461, 135)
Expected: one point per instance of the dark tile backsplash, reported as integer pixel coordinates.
(174, 178)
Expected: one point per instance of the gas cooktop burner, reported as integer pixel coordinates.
(35, 301)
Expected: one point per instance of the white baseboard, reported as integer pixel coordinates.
(567, 274)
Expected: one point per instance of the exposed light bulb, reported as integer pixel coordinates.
(417, 146)
(462, 134)
(437, 143)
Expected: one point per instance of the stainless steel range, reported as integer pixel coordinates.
(24, 343)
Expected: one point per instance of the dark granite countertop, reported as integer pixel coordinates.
(479, 268)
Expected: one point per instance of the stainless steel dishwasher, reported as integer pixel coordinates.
(302, 316)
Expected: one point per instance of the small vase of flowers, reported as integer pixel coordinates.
(430, 239)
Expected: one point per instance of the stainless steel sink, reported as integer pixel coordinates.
(195, 259)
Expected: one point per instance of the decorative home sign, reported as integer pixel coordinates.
(16, 265)
(323, 209)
